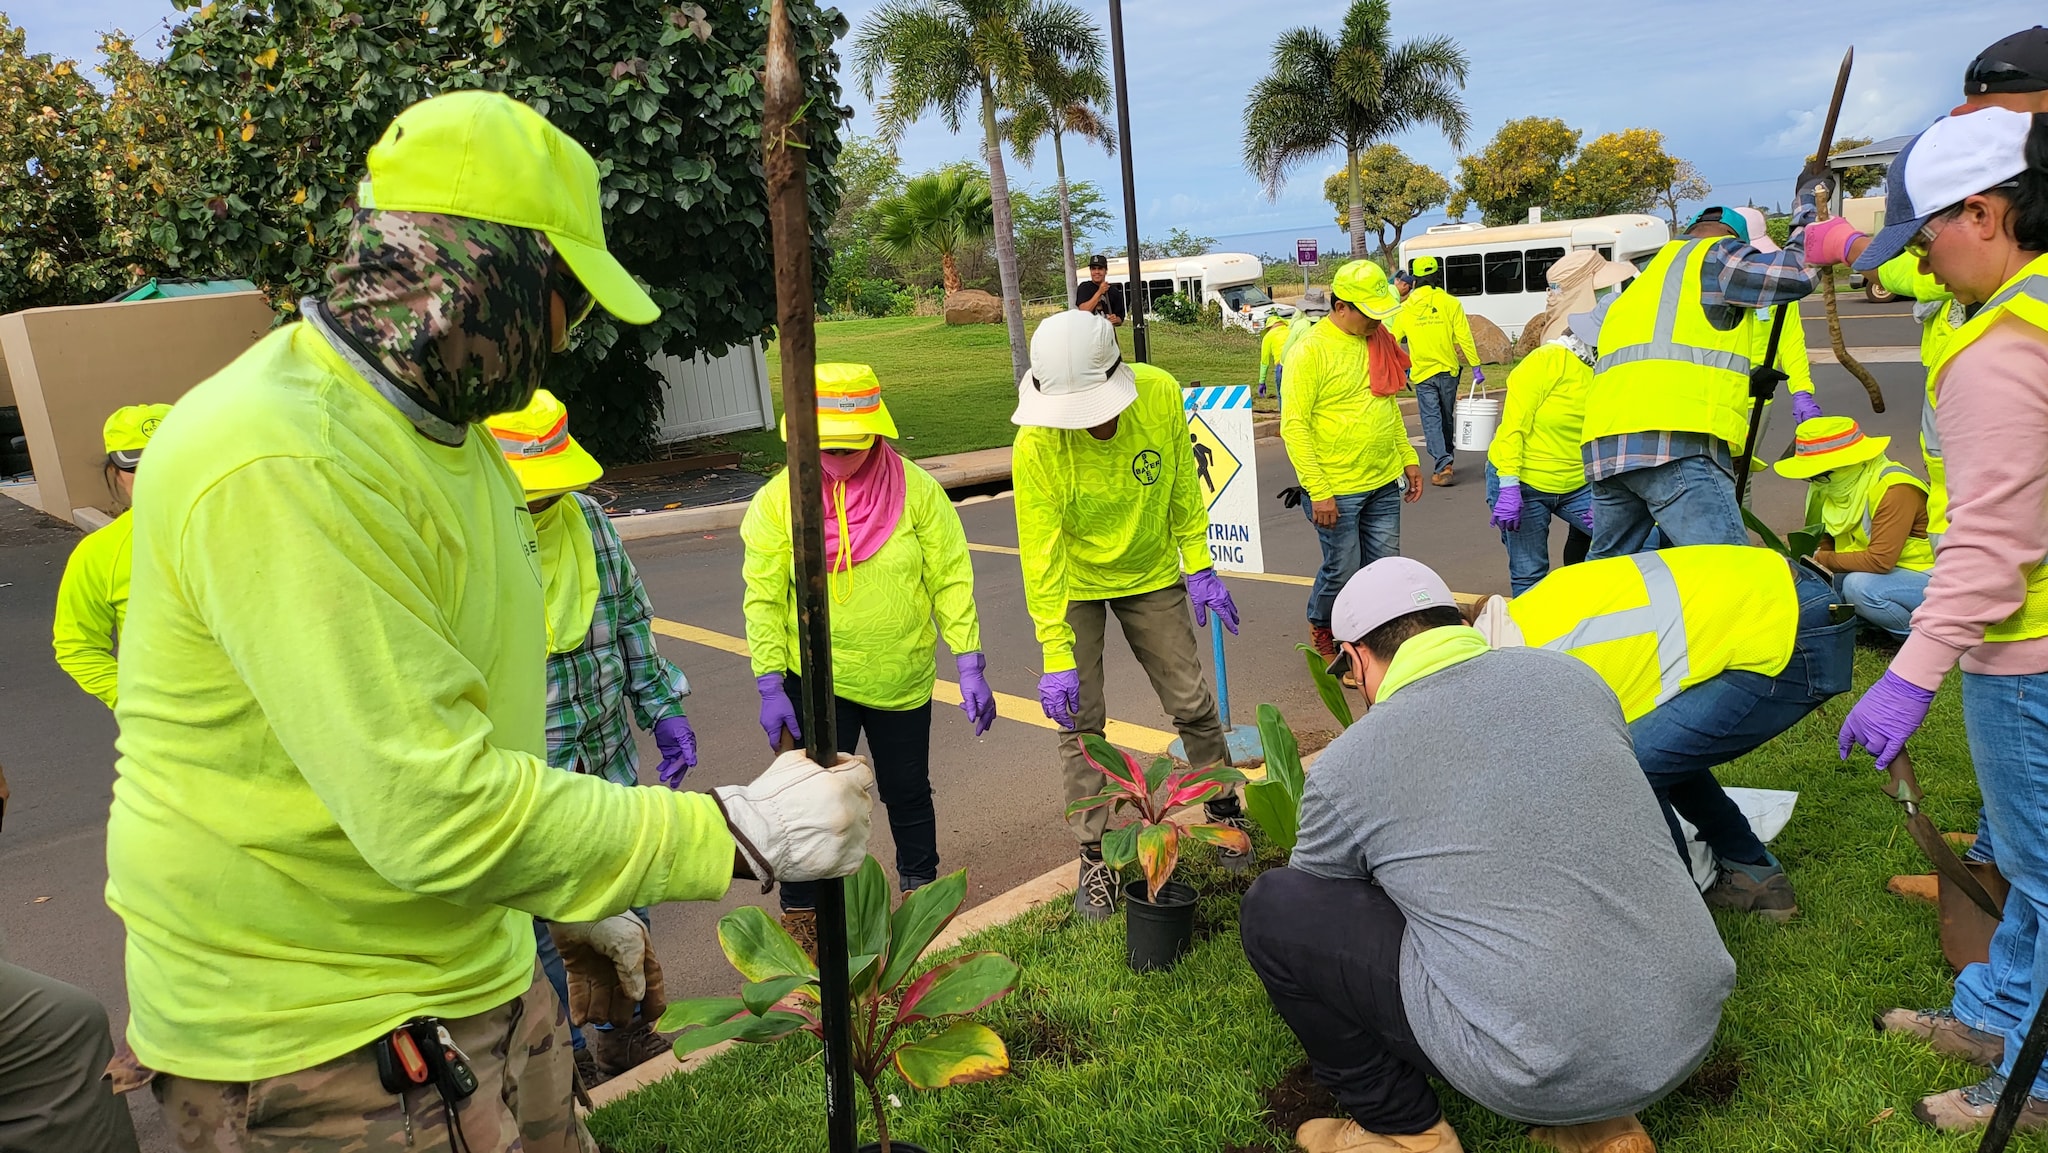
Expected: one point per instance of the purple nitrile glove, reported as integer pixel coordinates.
(977, 700)
(1889, 712)
(1828, 242)
(1059, 694)
(1206, 590)
(1507, 506)
(1478, 375)
(778, 712)
(1585, 517)
(678, 747)
(1805, 408)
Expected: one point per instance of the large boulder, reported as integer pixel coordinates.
(1532, 335)
(973, 306)
(1494, 346)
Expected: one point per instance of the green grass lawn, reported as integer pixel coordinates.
(1104, 1059)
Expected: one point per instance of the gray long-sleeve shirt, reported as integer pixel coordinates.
(1558, 965)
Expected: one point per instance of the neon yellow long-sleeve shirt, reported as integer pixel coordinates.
(882, 632)
(1271, 345)
(334, 810)
(1098, 519)
(92, 601)
(1437, 330)
(1341, 438)
(1792, 356)
(1538, 440)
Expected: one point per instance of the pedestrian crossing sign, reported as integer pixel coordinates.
(1215, 464)
(1226, 473)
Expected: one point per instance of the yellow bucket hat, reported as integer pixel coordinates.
(1363, 285)
(850, 409)
(537, 444)
(1826, 443)
(128, 431)
(486, 156)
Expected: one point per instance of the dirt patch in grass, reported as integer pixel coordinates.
(1039, 1039)
(1715, 1082)
(1298, 1099)
(1313, 740)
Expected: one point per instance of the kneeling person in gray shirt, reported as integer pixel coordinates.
(1483, 890)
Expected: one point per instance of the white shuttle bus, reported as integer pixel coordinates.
(1498, 273)
(1228, 279)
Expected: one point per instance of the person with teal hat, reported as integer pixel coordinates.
(92, 599)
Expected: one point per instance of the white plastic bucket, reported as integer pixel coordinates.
(1473, 421)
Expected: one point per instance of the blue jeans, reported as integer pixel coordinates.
(2007, 722)
(1690, 498)
(1435, 398)
(1886, 600)
(1368, 527)
(1723, 717)
(1528, 543)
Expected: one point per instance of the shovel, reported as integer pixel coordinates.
(1904, 788)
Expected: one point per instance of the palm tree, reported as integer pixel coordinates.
(1350, 93)
(1060, 100)
(937, 214)
(943, 55)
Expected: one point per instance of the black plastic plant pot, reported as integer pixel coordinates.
(1158, 934)
(894, 1147)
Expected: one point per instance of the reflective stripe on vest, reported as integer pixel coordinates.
(1664, 616)
(1661, 345)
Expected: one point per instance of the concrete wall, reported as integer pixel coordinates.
(70, 367)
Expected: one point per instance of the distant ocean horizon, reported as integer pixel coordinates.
(1276, 246)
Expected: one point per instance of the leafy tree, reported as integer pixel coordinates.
(1626, 171)
(943, 55)
(1349, 93)
(1686, 184)
(1179, 242)
(1394, 191)
(1044, 221)
(1515, 172)
(867, 171)
(937, 214)
(275, 103)
(1056, 101)
(1863, 177)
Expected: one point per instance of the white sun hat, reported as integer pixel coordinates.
(1077, 378)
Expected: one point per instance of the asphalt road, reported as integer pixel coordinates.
(998, 797)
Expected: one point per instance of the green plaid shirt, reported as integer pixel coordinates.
(589, 688)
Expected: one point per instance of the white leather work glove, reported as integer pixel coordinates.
(801, 821)
(611, 969)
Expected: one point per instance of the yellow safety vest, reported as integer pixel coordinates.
(1657, 623)
(1940, 315)
(2024, 296)
(1918, 555)
(1663, 366)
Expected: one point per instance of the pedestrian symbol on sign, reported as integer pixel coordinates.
(1215, 464)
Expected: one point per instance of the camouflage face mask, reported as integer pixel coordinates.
(454, 309)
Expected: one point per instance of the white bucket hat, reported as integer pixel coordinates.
(1077, 378)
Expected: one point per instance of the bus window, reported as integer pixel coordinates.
(1536, 268)
(1503, 273)
(1462, 276)
(1606, 251)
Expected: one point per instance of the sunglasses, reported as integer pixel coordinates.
(1984, 74)
(1924, 239)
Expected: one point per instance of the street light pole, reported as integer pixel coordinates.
(1134, 284)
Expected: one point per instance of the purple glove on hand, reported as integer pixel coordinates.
(678, 747)
(1059, 694)
(1828, 242)
(1478, 375)
(1507, 506)
(1889, 712)
(977, 700)
(778, 713)
(1206, 590)
(1805, 408)
(1585, 519)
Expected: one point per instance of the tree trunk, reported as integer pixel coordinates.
(1059, 162)
(951, 271)
(1006, 234)
(1357, 209)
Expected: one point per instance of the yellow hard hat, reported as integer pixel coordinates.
(486, 156)
(850, 409)
(128, 430)
(1423, 266)
(537, 444)
(1363, 284)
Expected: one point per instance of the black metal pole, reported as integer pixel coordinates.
(1763, 385)
(1134, 288)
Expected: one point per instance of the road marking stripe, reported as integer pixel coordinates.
(1271, 577)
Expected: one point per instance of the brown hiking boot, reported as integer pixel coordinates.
(587, 1074)
(1915, 887)
(1970, 1107)
(1320, 639)
(802, 924)
(1945, 1035)
(1761, 889)
(628, 1047)
(1614, 1135)
(1343, 1135)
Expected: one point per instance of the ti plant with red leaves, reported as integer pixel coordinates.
(889, 1003)
(1151, 841)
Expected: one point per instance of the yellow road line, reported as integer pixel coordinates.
(1138, 738)
(1271, 577)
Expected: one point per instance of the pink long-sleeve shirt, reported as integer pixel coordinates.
(1991, 413)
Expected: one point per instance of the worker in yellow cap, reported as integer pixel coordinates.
(1345, 435)
(896, 561)
(1439, 339)
(334, 820)
(92, 599)
(1271, 348)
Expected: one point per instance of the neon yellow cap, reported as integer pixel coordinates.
(1424, 266)
(128, 431)
(1363, 284)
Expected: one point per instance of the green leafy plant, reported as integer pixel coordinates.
(1328, 687)
(1795, 545)
(1275, 802)
(890, 998)
(1151, 841)
(1176, 308)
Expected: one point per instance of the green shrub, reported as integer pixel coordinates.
(1176, 309)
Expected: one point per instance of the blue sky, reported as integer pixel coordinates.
(1738, 88)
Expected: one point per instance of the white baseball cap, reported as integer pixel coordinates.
(1956, 158)
(1387, 588)
(1759, 229)
(1077, 378)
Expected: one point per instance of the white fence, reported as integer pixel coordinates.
(704, 396)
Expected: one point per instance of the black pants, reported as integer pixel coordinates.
(1329, 953)
(900, 745)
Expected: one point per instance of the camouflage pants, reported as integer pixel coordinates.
(519, 1052)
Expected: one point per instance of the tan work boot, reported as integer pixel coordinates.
(802, 925)
(1970, 1107)
(1945, 1035)
(1614, 1135)
(1441, 479)
(1343, 1135)
(1915, 887)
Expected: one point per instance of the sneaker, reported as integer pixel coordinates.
(1321, 639)
(802, 925)
(1229, 813)
(1945, 1035)
(628, 1047)
(1761, 889)
(1614, 1135)
(1970, 1107)
(1343, 1135)
(1095, 895)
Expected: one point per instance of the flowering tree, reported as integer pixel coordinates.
(1625, 171)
